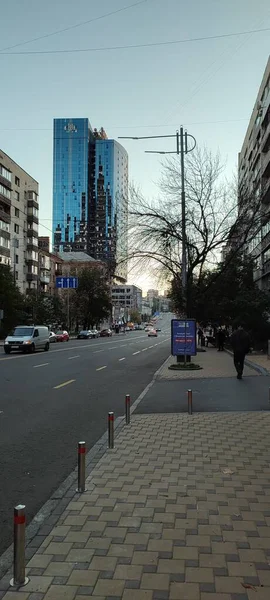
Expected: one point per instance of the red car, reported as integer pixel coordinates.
(62, 336)
(106, 333)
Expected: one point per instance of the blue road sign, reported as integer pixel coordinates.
(66, 282)
(183, 337)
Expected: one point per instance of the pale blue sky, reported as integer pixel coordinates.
(142, 91)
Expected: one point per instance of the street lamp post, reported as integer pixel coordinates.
(181, 139)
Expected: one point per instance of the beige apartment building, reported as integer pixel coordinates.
(254, 178)
(19, 223)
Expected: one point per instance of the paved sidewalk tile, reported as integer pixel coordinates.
(182, 506)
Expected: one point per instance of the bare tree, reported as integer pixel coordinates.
(214, 219)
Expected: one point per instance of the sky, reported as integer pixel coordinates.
(208, 86)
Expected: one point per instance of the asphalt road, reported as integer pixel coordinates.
(51, 400)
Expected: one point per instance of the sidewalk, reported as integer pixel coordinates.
(179, 510)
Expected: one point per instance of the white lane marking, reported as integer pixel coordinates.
(138, 352)
(122, 359)
(123, 346)
(71, 357)
(113, 347)
(43, 365)
(97, 351)
(100, 368)
(150, 346)
(57, 387)
(143, 350)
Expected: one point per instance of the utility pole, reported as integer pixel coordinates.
(182, 148)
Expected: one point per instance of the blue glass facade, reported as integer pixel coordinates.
(70, 183)
(90, 193)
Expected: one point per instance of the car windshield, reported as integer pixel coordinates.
(23, 331)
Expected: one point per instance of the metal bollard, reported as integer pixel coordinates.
(19, 578)
(111, 430)
(81, 467)
(190, 402)
(127, 409)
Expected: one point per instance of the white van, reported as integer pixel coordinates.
(27, 338)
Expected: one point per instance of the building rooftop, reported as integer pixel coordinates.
(76, 257)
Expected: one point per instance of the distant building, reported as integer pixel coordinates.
(151, 294)
(71, 263)
(254, 180)
(44, 243)
(90, 194)
(146, 308)
(126, 298)
(19, 209)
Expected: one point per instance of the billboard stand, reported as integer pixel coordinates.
(183, 339)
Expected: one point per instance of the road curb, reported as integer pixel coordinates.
(252, 365)
(58, 501)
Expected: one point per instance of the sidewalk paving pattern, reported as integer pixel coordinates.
(179, 510)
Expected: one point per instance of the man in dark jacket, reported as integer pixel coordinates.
(240, 342)
(220, 339)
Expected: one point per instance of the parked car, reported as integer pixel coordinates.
(27, 338)
(158, 329)
(152, 333)
(52, 337)
(62, 336)
(106, 333)
(148, 328)
(85, 334)
(94, 333)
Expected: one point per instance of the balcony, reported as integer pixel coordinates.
(44, 279)
(265, 164)
(265, 136)
(31, 277)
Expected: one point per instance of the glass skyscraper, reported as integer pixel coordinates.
(72, 138)
(90, 193)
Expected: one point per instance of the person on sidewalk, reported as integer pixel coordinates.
(220, 339)
(240, 342)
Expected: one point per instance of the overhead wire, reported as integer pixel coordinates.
(70, 27)
(135, 46)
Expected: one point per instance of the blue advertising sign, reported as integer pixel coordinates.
(183, 337)
(66, 282)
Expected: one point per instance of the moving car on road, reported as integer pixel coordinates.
(152, 333)
(85, 334)
(28, 339)
(62, 336)
(106, 333)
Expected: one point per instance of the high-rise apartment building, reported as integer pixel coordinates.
(254, 178)
(19, 223)
(90, 194)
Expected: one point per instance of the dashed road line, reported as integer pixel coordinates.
(124, 358)
(143, 350)
(101, 368)
(138, 352)
(43, 365)
(71, 357)
(57, 387)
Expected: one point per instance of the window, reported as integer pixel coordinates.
(17, 181)
(32, 211)
(4, 243)
(17, 212)
(4, 191)
(17, 196)
(16, 259)
(16, 275)
(4, 226)
(5, 173)
(16, 228)
(32, 196)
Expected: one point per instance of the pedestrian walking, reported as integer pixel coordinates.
(220, 339)
(240, 342)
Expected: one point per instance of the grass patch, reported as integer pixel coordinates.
(184, 367)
